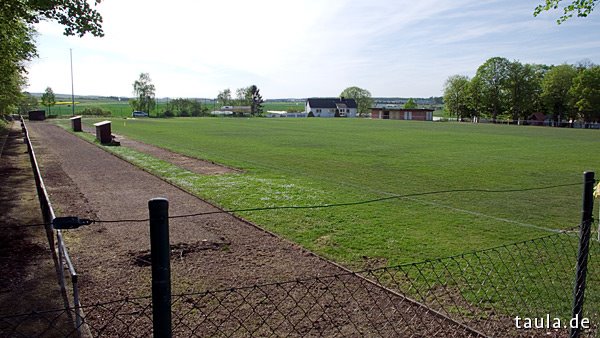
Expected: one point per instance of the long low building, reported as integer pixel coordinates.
(402, 114)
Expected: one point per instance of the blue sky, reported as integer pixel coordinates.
(304, 48)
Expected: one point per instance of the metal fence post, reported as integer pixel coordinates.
(161, 266)
(583, 251)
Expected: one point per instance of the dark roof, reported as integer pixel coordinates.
(330, 102)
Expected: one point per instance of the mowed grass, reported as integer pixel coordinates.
(324, 161)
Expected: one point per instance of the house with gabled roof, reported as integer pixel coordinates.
(331, 107)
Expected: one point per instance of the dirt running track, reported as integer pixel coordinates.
(215, 252)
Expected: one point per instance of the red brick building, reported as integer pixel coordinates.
(402, 114)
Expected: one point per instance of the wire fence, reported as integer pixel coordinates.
(60, 253)
(489, 293)
(527, 288)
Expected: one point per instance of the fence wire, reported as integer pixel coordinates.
(475, 294)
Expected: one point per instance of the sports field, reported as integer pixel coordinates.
(299, 162)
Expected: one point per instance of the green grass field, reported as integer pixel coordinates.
(300, 162)
(297, 162)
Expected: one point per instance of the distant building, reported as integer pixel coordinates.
(330, 107)
(276, 114)
(237, 110)
(392, 113)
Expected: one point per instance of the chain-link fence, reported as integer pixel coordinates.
(498, 292)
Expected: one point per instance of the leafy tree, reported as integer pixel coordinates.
(77, 16)
(493, 76)
(243, 96)
(410, 104)
(476, 103)
(585, 92)
(555, 91)
(256, 101)
(16, 49)
(196, 108)
(457, 95)
(48, 98)
(181, 107)
(362, 97)
(27, 103)
(582, 7)
(144, 91)
(523, 88)
(224, 97)
(17, 45)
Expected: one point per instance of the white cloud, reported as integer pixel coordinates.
(302, 48)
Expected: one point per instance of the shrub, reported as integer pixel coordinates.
(96, 111)
(168, 113)
(184, 114)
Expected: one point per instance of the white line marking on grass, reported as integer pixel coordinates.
(476, 213)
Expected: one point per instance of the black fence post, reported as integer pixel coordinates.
(582, 252)
(161, 266)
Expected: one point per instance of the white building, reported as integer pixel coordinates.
(331, 107)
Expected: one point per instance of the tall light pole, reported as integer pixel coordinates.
(72, 88)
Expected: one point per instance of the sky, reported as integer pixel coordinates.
(303, 48)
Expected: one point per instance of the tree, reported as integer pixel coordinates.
(585, 92)
(457, 96)
(181, 107)
(224, 97)
(144, 90)
(27, 103)
(476, 103)
(523, 88)
(17, 45)
(555, 91)
(256, 101)
(243, 96)
(48, 98)
(196, 108)
(493, 76)
(410, 104)
(77, 16)
(17, 48)
(362, 97)
(582, 7)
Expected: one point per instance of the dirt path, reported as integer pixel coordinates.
(29, 282)
(212, 252)
(189, 163)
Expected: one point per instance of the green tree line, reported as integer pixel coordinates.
(511, 89)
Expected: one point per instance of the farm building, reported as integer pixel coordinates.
(388, 113)
(330, 107)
